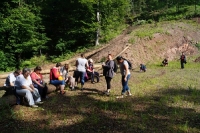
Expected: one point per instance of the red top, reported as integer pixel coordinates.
(54, 73)
(37, 77)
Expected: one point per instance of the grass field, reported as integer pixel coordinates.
(165, 99)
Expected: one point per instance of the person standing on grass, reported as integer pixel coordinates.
(183, 60)
(108, 72)
(81, 66)
(125, 72)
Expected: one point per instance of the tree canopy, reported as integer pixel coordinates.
(30, 28)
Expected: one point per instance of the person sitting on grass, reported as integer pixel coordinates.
(165, 62)
(142, 68)
(56, 79)
(25, 88)
(38, 82)
(10, 82)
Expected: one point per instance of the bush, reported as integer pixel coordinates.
(198, 45)
(26, 63)
(4, 62)
(38, 60)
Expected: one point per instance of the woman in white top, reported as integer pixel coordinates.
(24, 87)
(125, 72)
(81, 66)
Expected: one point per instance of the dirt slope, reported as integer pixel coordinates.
(176, 37)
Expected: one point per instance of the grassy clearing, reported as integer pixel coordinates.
(165, 99)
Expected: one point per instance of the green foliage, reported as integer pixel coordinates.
(22, 33)
(26, 63)
(38, 60)
(198, 45)
(147, 31)
(4, 61)
(57, 28)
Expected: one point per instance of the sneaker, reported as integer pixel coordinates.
(128, 94)
(122, 96)
(39, 103)
(107, 93)
(62, 92)
(34, 106)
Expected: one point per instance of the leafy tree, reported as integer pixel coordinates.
(22, 34)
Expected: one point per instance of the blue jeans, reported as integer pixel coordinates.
(57, 82)
(125, 84)
(80, 75)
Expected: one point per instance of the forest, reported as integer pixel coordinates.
(51, 30)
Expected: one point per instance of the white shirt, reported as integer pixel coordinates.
(81, 64)
(10, 79)
(122, 68)
(20, 80)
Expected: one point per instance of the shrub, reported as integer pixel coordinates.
(38, 60)
(26, 63)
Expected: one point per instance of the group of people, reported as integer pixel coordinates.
(32, 86)
(182, 61)
(108, 72)
(27, 84)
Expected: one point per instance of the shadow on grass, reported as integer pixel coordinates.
(84, 113)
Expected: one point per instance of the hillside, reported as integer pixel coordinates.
(165, 99)
(146, 44)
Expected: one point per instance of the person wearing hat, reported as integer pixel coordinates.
(125, 72)
(38, 82)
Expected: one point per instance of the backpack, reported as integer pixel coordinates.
(115, 67)
(129, 64)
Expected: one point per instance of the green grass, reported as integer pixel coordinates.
(165, 99)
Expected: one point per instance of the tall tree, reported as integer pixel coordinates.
(22, 34)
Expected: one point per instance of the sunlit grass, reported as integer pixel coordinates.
(165, 99)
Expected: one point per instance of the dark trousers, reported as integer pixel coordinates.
(182, 64)
(108, 80)
(42, 91)
(19, 99)
(91, 74)
(80, 75)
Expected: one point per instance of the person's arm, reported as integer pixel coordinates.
(86, 65)
(55, 73)
(24, 83)
(34, 78)
(76, 64)
(11, 84)
(26, 87)
(11, 79)
(126, 71)
(108, 65)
